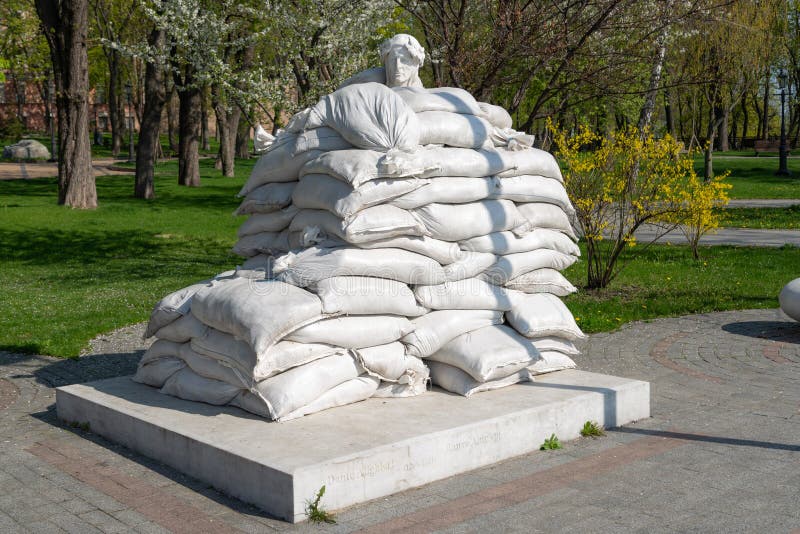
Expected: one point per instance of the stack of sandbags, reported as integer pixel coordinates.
(387, 228)
(270, 348)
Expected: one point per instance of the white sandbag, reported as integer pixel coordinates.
(489, 353)
(554, 344)
(160, 349)
(369, 116)
(215, 369)
(433, 330)
(323, 192)
(188, 385)
(447, 190)
(172, 307)
(469, 294)
(182, 330)
(370, 224)
(267, 198)
(277, 166)
(262, 262)
(440, 251)
(156, 372)
(391, 364)
(262, 243)
(268, 222)
(551, 361)
(315, 264)
(432, 161)
(496, 115)
(258, 312)
(457, 222)
(507, 243)
(282, 356)
(450, 99)
(457, 381)
(354, 390)
(469, 265)
(512, 266)
(542, 281)
(354, 332)
(511, 139)
(545, 215)
(355, 167)
(362, 295)
(374, 75)
(393, 390)
(322, 138)
(533, 189)
(529, 161)
(297, 387)
(453, 129)
(542, 314)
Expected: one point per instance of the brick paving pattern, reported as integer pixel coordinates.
(720, 454)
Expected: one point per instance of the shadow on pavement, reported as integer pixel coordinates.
(709, 439)
(784, 331)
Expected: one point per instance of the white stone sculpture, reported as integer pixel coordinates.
(402, 56)
(789, 299)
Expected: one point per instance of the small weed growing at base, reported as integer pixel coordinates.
(592, 429)
(550, 444)
(315, 512)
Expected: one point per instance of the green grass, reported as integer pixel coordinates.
(551, 444)
(592, 429)
(753, 177)
(664, 281)
(784, 218)
(68, 275)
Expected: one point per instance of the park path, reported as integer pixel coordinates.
(27, 171)
(721, 452)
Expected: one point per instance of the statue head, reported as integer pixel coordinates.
(402, 56)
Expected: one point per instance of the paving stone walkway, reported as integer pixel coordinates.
(720, 454)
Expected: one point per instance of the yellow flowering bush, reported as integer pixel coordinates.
(619, 182)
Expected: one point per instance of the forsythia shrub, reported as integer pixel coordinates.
(698, 216)
(619, 182)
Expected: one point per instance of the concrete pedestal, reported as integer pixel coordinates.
(360, 452)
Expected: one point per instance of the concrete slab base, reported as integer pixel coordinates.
(359, 452)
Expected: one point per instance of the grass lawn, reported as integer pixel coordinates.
(68, 275)
(665, 281)
(785, 218)
(753, 177)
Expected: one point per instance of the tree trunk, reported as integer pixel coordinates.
(149, 146)
(65, 24)
(204, 122)
(227, 124)
(172, 119)
(765, 117)
(721, 115)
(745, 120)
(708, 162)
(189, 128)
(670, 120)
(243, 139)
(114, 95)
(646, 113)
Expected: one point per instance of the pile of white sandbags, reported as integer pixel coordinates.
(389, 228)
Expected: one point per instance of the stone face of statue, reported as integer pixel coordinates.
(402, 56)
